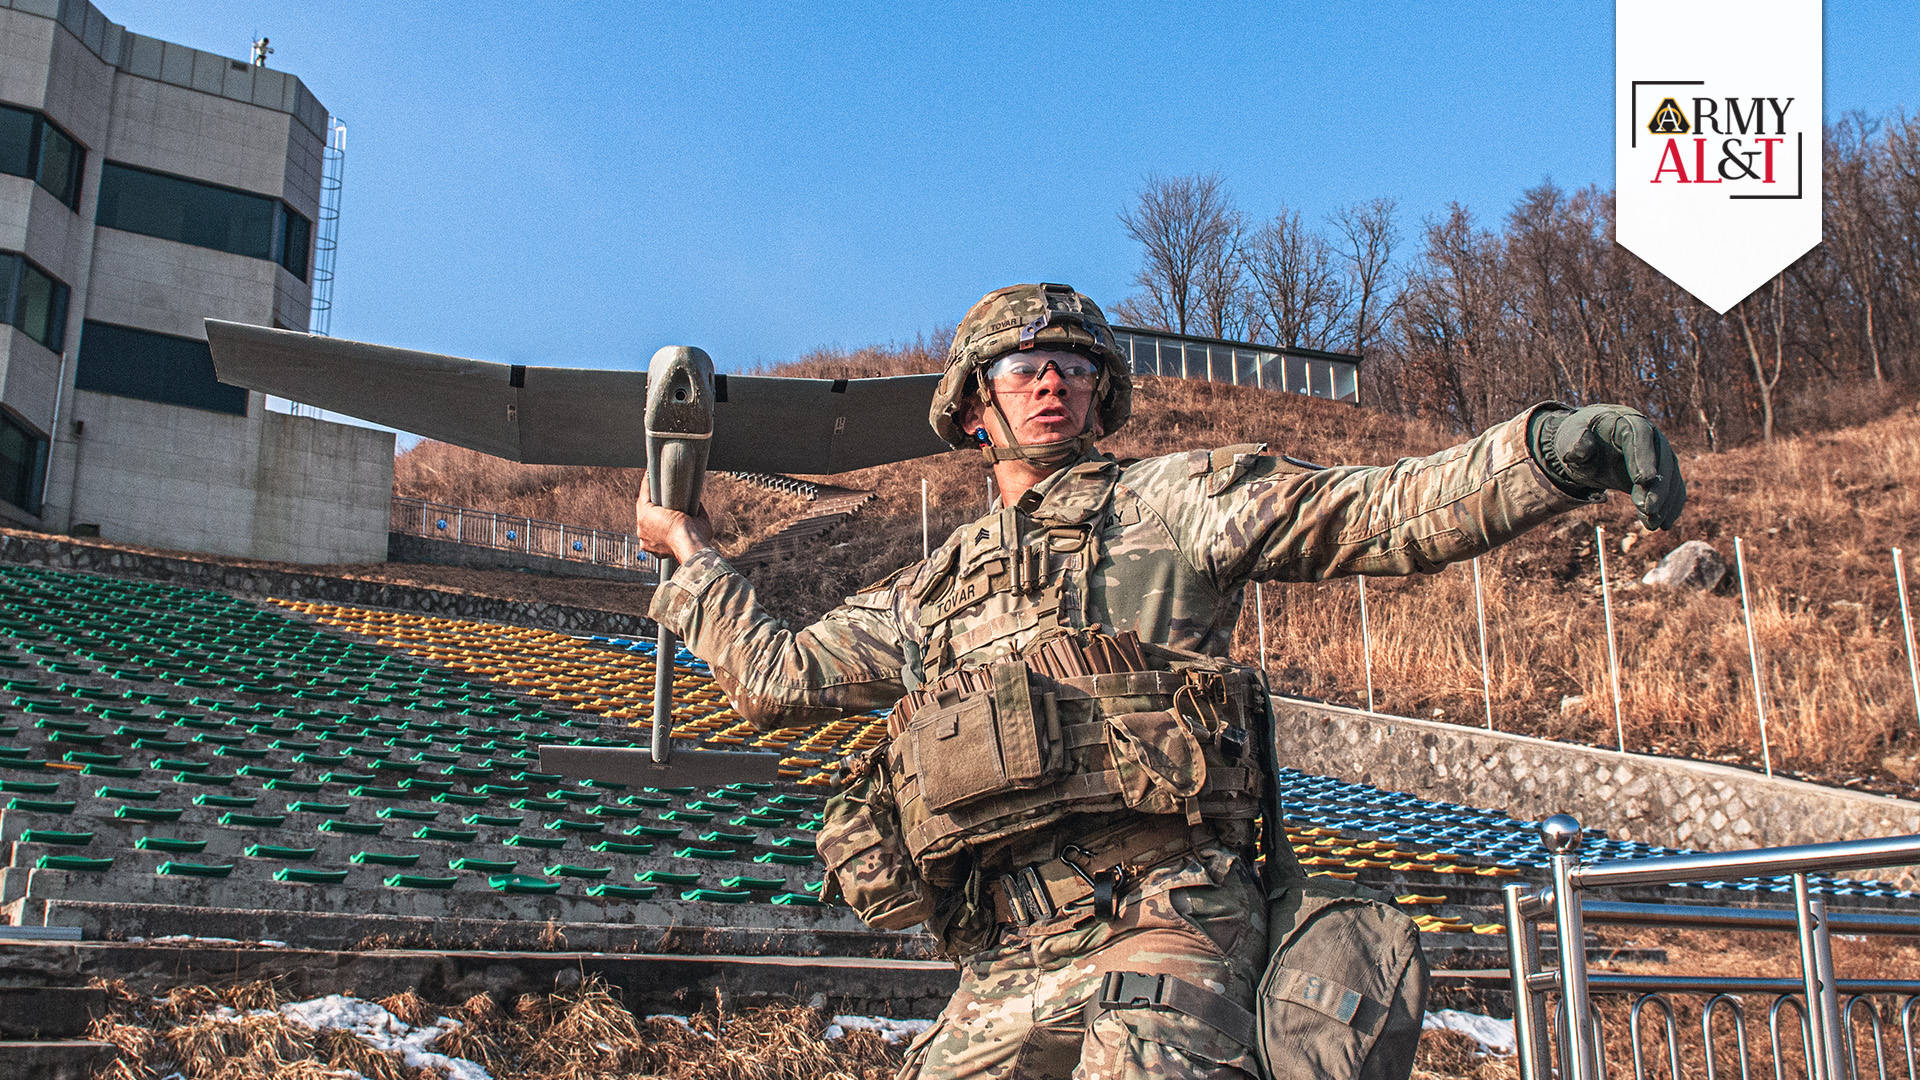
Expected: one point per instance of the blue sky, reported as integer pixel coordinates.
(581, 183)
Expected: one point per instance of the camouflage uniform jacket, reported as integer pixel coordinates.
(1176, 538)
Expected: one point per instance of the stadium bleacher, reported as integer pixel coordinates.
(175, 748)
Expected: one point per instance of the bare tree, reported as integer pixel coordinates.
(1367, 236)
(1300, 298)
(1189, 232)
(1777, 307)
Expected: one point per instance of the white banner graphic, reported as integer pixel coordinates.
(1717, 139)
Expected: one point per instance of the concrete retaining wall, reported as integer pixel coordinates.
(1678, 803)
(262, 486)
(67, 553)
(408, 548)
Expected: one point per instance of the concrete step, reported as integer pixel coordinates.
(49, 1012)
(650, 981)
(77, 1059)
(470, 897)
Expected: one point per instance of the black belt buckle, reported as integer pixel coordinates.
(1130, 990)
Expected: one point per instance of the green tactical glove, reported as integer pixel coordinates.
(1610, 448)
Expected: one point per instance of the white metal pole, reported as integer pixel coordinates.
(1613, 656)
(1480, 608)
(1366, 639)
(1906, 625)
(925, 537)
(1753, 654)
(1260, 616)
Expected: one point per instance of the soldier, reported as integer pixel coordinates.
(1069, 798)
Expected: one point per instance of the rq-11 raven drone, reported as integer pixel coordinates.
(677, 419)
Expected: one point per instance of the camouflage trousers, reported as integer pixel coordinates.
(1021, 1012)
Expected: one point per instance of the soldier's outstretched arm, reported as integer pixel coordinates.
(1277, 522)
(849, 661)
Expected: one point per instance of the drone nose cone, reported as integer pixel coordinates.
(680, 392)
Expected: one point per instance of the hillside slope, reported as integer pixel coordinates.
(1818, 514)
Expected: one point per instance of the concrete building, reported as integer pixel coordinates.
(145, 186)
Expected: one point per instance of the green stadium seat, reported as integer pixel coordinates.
(569, 870)
(522, 883)
(666, 877)
(485, 866)
(275, 851)
(56, 836)
(623, 892)
(73, 862)
(309, 876)
(420, 881)
(170, 843)
(173, 868)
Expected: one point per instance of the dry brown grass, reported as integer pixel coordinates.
(583, 1033)
(1819, 513)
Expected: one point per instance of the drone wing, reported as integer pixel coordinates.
(580, 416)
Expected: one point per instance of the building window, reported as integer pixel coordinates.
(32, 146)
(23, 463)
(153, 367)
(33, 301)
(292, 239)
(204, 215)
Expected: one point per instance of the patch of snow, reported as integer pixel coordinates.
(271, 944)
(382, 1030)
(889, 1029)
(1494, 1036)
(683, 1022)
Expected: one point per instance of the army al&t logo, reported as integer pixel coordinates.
(1717, 139)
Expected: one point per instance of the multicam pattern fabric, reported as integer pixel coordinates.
(1179, 537)
(1163, 548)
(1021, 1012)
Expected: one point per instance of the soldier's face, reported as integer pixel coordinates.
(1047, 409)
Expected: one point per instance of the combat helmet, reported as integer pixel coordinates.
(1019, 317)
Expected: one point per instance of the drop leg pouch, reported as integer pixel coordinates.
(862, 844)
(1345, 989)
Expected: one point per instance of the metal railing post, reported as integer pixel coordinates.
(1823, 996)
(1578, 1034)
(1529, 1005)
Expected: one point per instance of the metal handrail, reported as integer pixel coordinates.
(510, 532)
(1817, 994)
(1764, 862)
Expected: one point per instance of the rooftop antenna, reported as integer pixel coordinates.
(261, 50)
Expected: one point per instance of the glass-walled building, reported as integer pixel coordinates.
(1294, 371)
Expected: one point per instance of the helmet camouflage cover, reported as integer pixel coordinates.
(1030, 317)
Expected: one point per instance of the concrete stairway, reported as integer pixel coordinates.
(828, 506)
(43, 1033)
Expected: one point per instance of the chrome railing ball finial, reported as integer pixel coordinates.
(1561, 834)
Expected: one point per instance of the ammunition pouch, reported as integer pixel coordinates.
(867, 859)
(992, 752)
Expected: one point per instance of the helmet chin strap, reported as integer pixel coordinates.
(1051, 455)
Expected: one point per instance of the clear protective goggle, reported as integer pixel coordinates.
(1023, 369)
